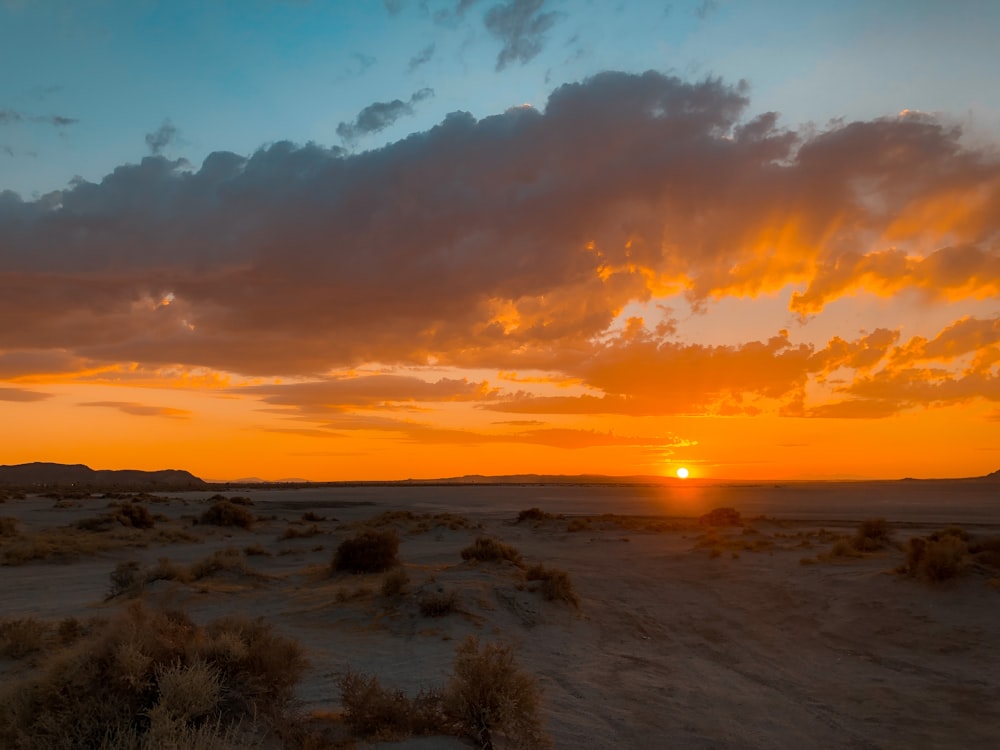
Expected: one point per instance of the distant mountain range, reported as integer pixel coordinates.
(77, 475)
(41, 474)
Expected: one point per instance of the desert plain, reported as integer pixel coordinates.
(775, 627)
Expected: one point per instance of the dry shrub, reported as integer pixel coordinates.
(228, 513)
(488, 549)
(490, 694)
(256, 549)
(579, 524)
(721, 517)
(126, 578)
(311, 516)
(872, 535)
(936, 560)
(134, 516)
(395, 582)
(377, 713)
(369, 552)
(438, 603)
(556, 585)
(294, 532)
(147, 678)
(534, 514)
(844, 548)
(240, 500)
(22, 637)
(8, 526)
(229, 559)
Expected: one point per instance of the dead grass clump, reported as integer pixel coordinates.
(395, 582)
(952, 530)
(489, 694)
(312, 517)
(721, 517)
(488, 549)
(534, 514)
(22, 637)
(8, 526)
(556, 586)
(369, 552)
(438, 603)
(294, 532)
(227, 513)
(936, 560)
(872, 535)
(145, 678)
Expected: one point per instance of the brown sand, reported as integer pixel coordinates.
(679, 640)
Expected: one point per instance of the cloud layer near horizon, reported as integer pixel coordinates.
(514, 242)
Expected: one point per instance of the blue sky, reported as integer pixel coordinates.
(85, 82)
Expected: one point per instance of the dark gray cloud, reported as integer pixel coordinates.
(422, 57)
(380, 115)
(520, 25)
(162, 137)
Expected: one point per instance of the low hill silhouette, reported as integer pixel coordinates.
(41, 474)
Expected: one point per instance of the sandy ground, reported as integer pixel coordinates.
(679, 640)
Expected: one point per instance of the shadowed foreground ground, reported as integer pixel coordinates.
(685, 636)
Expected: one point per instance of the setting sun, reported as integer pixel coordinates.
(682, 473)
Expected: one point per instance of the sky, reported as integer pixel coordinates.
(400, 239)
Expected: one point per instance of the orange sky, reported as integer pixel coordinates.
(631, 279)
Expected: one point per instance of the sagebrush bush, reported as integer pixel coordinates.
(126, 578)
(986, 551)
(8, 526)
(488, 549)
(556, 585)
(395, 582)
(936, 560)
(21, 637)
(490, 694)
(134, 515)
(721, 517)
(148, 671)
(872, 535)
(227, 513)
(368, 552)
(438, 603)
(295, 532)
(533, 514)
(377, 713)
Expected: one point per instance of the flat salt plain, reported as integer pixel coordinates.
(684, 637)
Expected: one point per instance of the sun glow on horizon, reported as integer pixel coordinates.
(682, 473)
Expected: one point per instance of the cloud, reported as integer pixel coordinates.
(162, 137)
(10, 116)
(422, 57)
(520, 25)
(706, 8)
(380, 115)
(22, 395)
(510, 242)
(141, 410)
(367, 391)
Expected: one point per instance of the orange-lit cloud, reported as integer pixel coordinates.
(22, 394)
(141, 410)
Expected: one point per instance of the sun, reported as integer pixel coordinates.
(682, 473)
